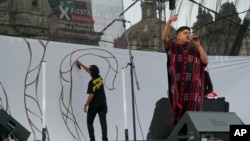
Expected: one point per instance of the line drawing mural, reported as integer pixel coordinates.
(32, 81)
(32, 101)
(4, 102)
(66, 78)
(20, 86)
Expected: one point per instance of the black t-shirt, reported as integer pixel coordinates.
(96, 87)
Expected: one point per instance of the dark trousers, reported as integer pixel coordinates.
(101, 111)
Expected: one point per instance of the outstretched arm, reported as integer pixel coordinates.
(81, 65)
(165, 32)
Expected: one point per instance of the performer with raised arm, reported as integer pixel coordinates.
(186, 61)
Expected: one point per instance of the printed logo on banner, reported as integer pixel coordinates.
(239, 132)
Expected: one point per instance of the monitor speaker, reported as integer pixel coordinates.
(207, 126)
(10, 127)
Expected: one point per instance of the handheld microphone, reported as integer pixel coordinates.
(194, 37)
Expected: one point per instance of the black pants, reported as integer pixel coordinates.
(101, 111)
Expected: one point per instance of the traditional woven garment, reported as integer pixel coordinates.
(185, 75)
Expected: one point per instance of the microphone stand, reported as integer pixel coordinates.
(132, 68)
(132, 74)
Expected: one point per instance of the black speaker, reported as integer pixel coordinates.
(160, 127)
(204, 126)
(216, 105)
(10, 127)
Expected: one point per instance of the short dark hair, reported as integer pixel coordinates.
(182, 28)
(94, 70)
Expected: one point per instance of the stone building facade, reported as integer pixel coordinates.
(146, 34)
(217, 34)
(25, 18)
(37, 19)
(40, 19)
(220, 36)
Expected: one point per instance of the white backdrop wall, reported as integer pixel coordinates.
(66, 85)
